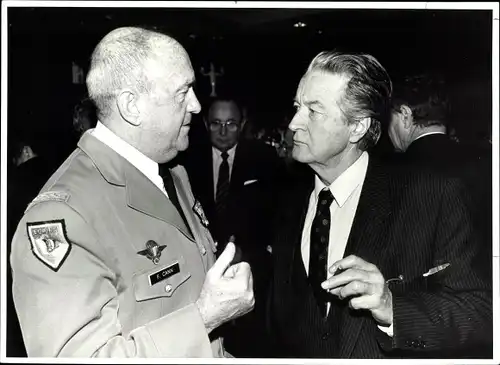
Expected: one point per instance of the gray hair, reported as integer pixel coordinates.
(367, 93)
(117, 62)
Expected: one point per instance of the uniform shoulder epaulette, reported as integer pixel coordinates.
(59, 196)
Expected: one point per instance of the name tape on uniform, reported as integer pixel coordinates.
(163, 274)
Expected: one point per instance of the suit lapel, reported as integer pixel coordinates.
(145, 197)
(142, 194)
(236, 174)
(209, 177)
(295, 223)
(367, 239)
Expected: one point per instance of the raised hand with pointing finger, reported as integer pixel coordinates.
(227, 292)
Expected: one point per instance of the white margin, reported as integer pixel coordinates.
(3, 189)
(255, 5)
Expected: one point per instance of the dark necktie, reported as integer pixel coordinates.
(318, 257)
(221, 196)
(168, 183)
(222, 183)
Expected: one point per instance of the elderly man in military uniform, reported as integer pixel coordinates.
(113, 258)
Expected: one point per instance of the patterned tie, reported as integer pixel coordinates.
(168, 183)
(318, 258)
(222, 195)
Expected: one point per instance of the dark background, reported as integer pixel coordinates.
(262, 53)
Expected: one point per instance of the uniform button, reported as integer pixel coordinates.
(168, 288)
(325, 336)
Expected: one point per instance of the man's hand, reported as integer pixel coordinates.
(364, 281)
(227, 292)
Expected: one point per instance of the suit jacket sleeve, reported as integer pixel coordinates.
(73, 312)
(452, 309)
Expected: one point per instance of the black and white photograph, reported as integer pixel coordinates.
(252, 182)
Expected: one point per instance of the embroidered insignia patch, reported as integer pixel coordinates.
(200, 213)
(60, 196)
(152, 251)
(49, 242)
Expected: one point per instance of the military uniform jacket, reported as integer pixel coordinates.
(104, 266)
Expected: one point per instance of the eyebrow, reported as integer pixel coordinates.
(187, 84)
(311, 103)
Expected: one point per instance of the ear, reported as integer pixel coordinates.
(205, 122)
(359, 129)
(242, 124)
(27, 152)
(127, 104)
(406, 116)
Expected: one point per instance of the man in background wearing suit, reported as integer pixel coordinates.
(236, 182)
(112, 259)
(419, 129)
(370, 262)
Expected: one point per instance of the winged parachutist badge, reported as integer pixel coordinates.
(152, 251)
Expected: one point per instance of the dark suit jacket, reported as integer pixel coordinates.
(406, 223)
(469, 163)
(250, 207)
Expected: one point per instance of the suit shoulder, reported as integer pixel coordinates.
(423, 181)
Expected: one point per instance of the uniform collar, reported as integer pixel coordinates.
(140, 161)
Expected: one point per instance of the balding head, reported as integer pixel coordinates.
(142, 83)
(119, 62)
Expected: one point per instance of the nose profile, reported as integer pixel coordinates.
(296, 122)
(194, 104)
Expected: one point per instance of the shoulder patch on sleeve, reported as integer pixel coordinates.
(49, 242)
(59, 196)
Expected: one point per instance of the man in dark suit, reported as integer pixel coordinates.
(419, 129)
(236, 182)
(370, 261)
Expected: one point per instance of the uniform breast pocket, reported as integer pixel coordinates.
(161, 281)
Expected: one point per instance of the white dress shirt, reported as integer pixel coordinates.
(346, 190)
(217, 160)
(140, 161)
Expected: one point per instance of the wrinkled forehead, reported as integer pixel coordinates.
(224, 110)
(322, 86)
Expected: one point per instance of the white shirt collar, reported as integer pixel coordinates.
(140, 161)
(231, 152)
(347, 182)
(427, 134)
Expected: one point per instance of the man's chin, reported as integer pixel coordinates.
(182, 145)
(300, 157)
(223, 147)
